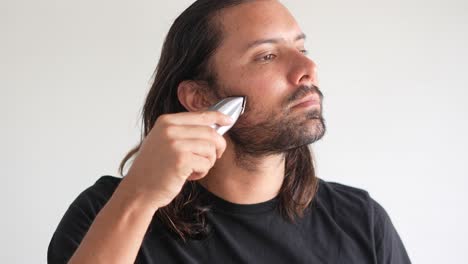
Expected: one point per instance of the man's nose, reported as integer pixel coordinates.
(303, 71)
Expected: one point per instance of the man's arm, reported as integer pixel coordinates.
(114, 236)
(388, 245)
(178, 148)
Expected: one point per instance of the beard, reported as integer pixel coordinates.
(278, 132)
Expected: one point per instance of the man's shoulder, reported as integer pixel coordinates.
(107, 182)
(340, 191)
(105, 185)
(344, 201)
(97, 195)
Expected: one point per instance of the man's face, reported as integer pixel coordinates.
(261, 57)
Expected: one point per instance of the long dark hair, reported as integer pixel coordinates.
(192, 39)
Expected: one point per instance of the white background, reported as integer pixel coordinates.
(74, 75)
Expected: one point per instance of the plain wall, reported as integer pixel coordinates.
(74, 75)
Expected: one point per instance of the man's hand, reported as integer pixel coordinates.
(179, 147)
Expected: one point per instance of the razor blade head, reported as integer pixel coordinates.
(231, 106)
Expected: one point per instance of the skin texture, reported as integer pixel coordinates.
(273, 76)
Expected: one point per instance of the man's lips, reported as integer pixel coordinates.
(307, 101)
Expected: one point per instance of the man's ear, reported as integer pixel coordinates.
(194, 96)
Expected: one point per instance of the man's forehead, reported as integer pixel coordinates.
(258, 22)
(252, 44)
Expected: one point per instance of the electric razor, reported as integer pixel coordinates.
(231, 106)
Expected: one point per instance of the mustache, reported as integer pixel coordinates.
(303, 91)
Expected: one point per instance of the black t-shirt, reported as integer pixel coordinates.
(343, 224)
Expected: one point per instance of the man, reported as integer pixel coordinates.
(250, 196)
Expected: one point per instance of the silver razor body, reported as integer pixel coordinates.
(231, 106)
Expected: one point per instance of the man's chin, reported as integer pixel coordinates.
(314, 130)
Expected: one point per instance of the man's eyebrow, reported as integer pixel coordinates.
(301, 36)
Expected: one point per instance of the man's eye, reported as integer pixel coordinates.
(305, 52)
(268, 57)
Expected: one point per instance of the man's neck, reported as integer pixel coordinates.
(260, 182)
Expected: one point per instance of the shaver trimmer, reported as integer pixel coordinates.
(231, 106)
